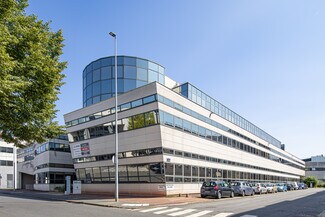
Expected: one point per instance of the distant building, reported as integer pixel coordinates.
(6, 165)
(44, 166)
(315, 166)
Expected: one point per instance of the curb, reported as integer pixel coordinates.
(125, 205)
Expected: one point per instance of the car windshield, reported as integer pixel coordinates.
(235, 183)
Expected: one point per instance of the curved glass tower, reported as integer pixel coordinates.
(132, 72)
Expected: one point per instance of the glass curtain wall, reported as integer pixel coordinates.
(132, 72)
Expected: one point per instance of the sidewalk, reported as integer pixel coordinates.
(136, 202)
(125, 201)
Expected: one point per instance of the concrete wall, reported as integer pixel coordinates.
(148, 189)
(46, 187)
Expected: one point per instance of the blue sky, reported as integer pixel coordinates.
(263, 59)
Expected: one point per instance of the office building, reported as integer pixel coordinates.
(6, 165)
(44, 166)
(172, 136)
(315, 166)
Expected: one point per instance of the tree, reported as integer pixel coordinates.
(311, 179)
(30, 75)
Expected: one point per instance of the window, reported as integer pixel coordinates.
(178, 169)
(169, 169)
(142, 74)
(149, 99)
(178, 122)
(130, 72)
(150, 118)
(195, 129)
(106, 86)
(138, 121)
(136, 103)
(96, 75)
(129, 85)
(152, 76)
(125, 106)
(187, 170)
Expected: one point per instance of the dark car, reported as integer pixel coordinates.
(290, 187)
(242, 188)
(216, 189)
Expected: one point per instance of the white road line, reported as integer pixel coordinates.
(200, 213)
(223, 214)
(165, 211)
(248, 216)
(182, 212)
(154, 209)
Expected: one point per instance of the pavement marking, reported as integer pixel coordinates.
(200, 213)
(322, 214)
(182, 212)
(135, 204)
(153, 209)
(248, 216)
(165, 211)
(223, 214)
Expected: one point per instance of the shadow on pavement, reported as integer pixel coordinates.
(312, 205)
(51, 196)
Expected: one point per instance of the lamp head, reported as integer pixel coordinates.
(112, 34)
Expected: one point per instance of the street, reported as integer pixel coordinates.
(310, 202)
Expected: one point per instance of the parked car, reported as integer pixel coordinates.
(295, 185)
(242, 188)
(259, 188)
(271, 188)
(217, 189)
(290, 187)
(281, 187)
(302, 186)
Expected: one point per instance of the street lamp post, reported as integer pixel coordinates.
(116, 126)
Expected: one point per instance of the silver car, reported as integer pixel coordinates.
(259, 188)
(242, 188)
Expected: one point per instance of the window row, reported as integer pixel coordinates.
(52, 146)
(123, 61)
(197, 96)
(217, 160)
(178, 153)
(125, 124)
(189, 127)
(6, 150)
(6, 163)
(189, 173)
(198, 116)
(110, 111)
(54, 165)
(144, 173)
(123, 72)
(126, 154)
(52, 177)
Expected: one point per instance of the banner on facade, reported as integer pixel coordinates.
(81, 150)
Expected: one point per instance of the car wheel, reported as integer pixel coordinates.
(232, 194)
(219, 195)
(203, 196)
(253, 193)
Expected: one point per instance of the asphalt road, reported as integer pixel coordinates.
(300, 203)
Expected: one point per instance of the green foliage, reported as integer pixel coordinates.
(311, 179)
(30, 75)
(59, 189)
(321, 184)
